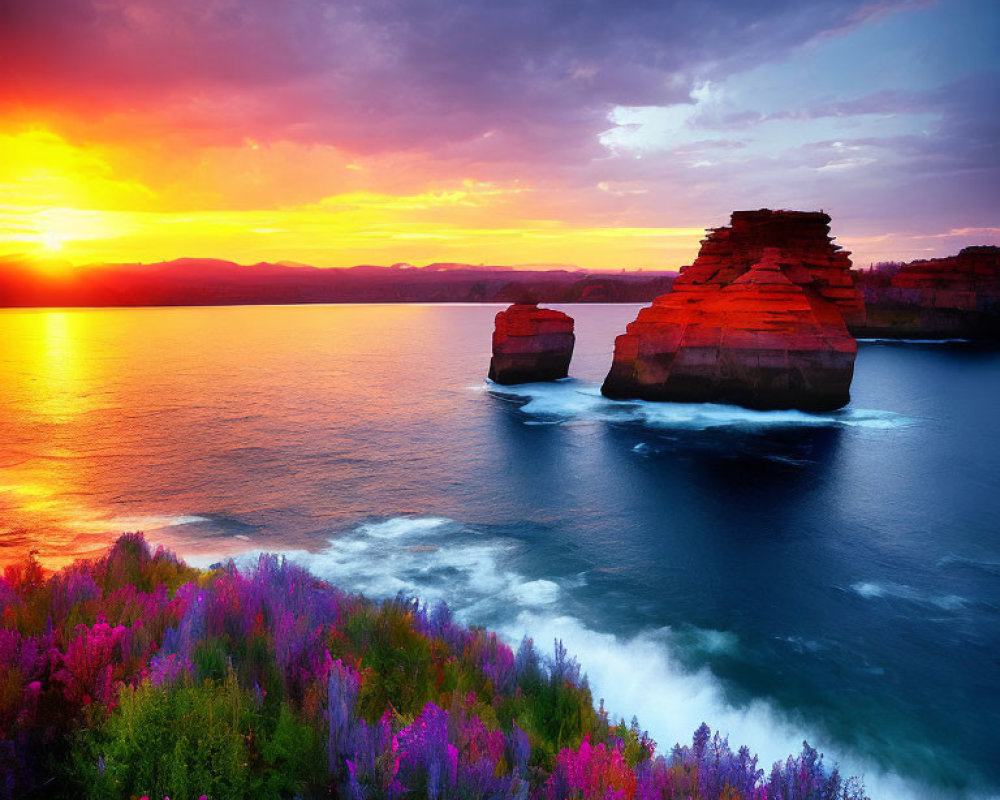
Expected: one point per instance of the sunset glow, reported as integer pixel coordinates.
(130, 131)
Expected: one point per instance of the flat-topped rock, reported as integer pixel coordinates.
(757, 321)
(531, 344)
(813, 259)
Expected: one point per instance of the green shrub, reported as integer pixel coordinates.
(395, 661)
(187, 741)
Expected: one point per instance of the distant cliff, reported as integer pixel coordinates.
(193, 281)
(939, 298)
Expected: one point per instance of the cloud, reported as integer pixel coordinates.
(537, 77)
(992, 233)
(632, 113)
(908, 246)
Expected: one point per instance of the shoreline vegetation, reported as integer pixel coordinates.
(136, 675)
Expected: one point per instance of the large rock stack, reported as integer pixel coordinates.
(757, 320)
(958, 296)
(531, 344)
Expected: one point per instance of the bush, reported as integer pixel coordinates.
(187, 741)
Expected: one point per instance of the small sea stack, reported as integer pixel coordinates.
(531, 344)
(758, 320)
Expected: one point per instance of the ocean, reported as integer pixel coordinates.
(778, 575)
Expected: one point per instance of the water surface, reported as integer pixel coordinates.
(777, 575)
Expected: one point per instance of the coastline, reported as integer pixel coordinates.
(139, 639)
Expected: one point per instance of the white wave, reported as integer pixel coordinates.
(439, 559)
(571, 401)
(432, 558)
(641, 676)
(401, 527)
(536, 593)
(153, 522)
(871, 591)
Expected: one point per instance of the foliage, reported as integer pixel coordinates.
(137, 675)
(184, 741)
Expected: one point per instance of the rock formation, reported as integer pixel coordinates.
(814, 261)
(531, 344)
(954, 297)
(757, 320)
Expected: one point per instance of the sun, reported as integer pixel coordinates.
(51, 241)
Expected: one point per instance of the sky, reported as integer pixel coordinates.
(601, 133)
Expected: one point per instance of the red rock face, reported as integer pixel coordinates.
(814, 261)
(958, 296)
(757, 320)
(973, 269)
(531, 344)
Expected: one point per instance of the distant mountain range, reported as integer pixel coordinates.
(29, 282)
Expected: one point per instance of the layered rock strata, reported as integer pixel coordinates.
(940, 298)
(757, 320)
(813, 260)
(531, 344)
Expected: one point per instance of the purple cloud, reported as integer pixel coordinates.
(536, 77)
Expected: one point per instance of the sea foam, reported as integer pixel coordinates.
(570, 400)
(874, 591)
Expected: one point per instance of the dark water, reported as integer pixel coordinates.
(776, 575)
